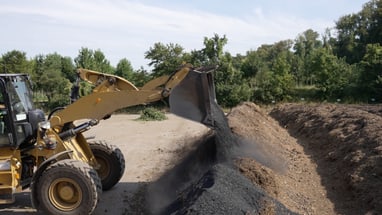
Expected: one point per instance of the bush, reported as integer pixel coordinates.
(152, 114)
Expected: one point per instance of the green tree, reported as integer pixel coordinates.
(347, 45)
(373, 21)
(370, 81)
(333, 75)
(164, 58)
(124, 69)
(213, 48)
(251, 64)
(283, 79)
(231, 86)
(85, 59)
(93, 60)
(305, 44)
(15, 62)
(274, 80)
(195, 57)
(101, 64)
(276, 83)
(140, 77)
(210, 54)
(68, 69)
(49, 79)
(263, 87)
(357, 30)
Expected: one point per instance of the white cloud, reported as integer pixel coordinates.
(128, 28)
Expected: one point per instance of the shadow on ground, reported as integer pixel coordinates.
(121, 199)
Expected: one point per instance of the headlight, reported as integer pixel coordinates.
(44, 125)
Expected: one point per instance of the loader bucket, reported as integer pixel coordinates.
(194, 97)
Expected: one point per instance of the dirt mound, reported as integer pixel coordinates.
(250, 164)
(346, 143)
(222, 190)
(208, 182)
(258, 175)
(277, 162)
(266, 142)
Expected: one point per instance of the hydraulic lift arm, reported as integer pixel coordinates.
(113, 93)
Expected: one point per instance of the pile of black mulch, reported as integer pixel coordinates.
(207, 182)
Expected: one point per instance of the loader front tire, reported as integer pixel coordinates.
(111, 161)
(68, 187)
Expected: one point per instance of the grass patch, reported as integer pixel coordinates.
(152, 114)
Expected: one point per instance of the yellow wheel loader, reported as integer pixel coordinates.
(64, 171)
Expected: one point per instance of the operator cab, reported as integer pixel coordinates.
(18, 117)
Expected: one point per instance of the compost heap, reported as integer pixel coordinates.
(345, 141)
(208, 181)
(333, 164)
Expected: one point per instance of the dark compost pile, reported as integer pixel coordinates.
(208, 182)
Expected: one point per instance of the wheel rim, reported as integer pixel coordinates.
(65, 194)
(104, 167)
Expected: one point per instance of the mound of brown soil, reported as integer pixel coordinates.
(277, 162)
(346, 143)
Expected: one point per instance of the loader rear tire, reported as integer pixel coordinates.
(68, 187)
(111, 160)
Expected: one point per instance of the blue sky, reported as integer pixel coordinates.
(128, 28)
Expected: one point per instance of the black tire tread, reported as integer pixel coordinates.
(113, 151)
(86, 170)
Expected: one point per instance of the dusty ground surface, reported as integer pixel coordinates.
(311, 159)
(149, 149)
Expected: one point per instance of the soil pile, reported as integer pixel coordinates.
(208, 182)
(346, 143)
(250, 164)
(277, 162)
(222, 190)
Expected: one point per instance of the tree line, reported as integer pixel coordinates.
(342, 65)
